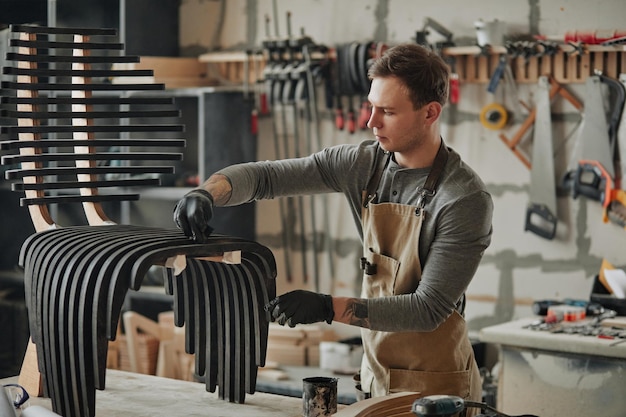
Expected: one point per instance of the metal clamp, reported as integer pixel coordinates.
(421, 200)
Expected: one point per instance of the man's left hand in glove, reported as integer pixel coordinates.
(301, 307)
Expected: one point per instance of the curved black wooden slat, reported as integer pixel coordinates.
(41, 115)
(40, 44)
(12, 130)
(47, 30)
(215, 358)
(12, 56)
(61, 72)
(53, 143)
(87, 100)
(13, 174)
(81, 87)
(68, 199)
(100, 156)
(73, 185)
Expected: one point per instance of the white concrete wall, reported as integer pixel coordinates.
(519, 266)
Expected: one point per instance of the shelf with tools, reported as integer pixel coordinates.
(230, 67)
(566, 63)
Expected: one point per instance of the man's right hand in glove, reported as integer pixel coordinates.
(301, 307)
(193, 213)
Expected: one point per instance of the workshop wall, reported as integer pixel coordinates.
(519, 266)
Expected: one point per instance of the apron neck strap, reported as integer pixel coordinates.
(372, 184)
(428, 190)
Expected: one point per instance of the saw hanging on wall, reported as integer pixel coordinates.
(541, 217)
(597, 174)
(528, 123)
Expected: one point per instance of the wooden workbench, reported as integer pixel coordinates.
(137, 395)
(557, 374)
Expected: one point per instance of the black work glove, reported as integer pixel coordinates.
(301, 307)
(193, 213)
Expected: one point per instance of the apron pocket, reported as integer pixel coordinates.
(430, 383)
(382, 283)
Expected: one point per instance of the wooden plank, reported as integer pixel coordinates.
(29, 377)
(545, 65)
(394, 405)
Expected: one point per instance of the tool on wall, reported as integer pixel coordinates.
(292, 93)
(350, 80)
(512, 143)
(314, 144)
(262, 104)
(249, 93)
(596, 175)
(294, 208)
(494, 115)
(421, 36)
(455, 88)
(302, 108)
(274, 84)
(295, 65)
(596, 147)
(337, 88)
(351, 89)
(541, 217)
(344, 88)
(363, 62)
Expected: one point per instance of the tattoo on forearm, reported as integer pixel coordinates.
(219, 187)
(356, 313)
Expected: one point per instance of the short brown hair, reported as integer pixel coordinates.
(424, 73)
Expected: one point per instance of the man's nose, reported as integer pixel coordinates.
(374, 120)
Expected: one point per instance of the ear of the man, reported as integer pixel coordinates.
(433, 111)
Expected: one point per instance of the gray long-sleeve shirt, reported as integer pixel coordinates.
(455, 232)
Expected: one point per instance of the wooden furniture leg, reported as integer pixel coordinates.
(30, 377)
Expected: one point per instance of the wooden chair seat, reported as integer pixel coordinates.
(77, 276)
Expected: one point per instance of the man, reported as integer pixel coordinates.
(424, 218)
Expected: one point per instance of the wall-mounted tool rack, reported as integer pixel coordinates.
(567, 63)
(231, 66)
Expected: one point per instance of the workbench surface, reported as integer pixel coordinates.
(292, 384)
(515, 334)
(557, 374)
(137, 395)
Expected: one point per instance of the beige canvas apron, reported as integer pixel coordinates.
(437, 362)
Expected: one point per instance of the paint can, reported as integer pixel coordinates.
(319, 396)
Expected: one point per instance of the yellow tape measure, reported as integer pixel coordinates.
(494, 116)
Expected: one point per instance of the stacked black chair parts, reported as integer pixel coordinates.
(225, 300)
(77, 277)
